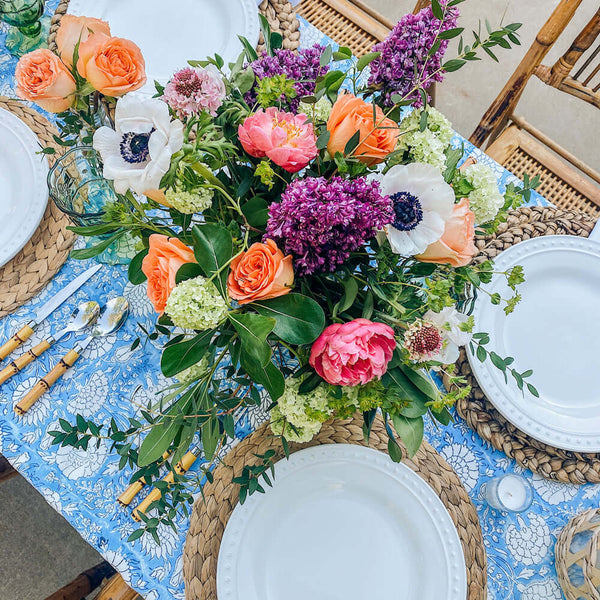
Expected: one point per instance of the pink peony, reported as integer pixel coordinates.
(287, 139)
(193, 90)
(353, 353)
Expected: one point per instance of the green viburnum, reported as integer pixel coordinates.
(427, 146)
(266, 173)
(195, 201)
(485, 200)
(271, 90)
(298, 417)
(196, 304)
(194, 372)
(319, 111)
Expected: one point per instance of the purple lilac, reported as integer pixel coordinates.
(407, 47)
(321, 222)
(302, 67)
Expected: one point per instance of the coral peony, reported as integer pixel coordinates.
(113, 66)
(160, 266)
(287, 139)
(351, 114)
(76, 30)
(456, 246)
(353, 353)
(260, 273)
(42, 78)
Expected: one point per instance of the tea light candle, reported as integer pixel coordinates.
(509, 492)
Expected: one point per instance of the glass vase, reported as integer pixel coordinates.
(29, 29)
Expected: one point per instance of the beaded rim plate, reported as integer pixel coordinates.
(170, 34)
(555, 331)
(333, 507)
(23, 190)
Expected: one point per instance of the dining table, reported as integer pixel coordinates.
(113, 381)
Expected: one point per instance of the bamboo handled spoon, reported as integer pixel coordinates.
(112, 316)
(83, 316)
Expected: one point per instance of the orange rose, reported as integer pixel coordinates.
(260, 273)
(456, 246)
(113, 66)
(160, 266)
(351, 114)
(44, 79)
(76, 29)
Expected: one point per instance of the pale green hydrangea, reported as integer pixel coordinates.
(319, 111)
(430, 145)
(485, 200)
(305, 412)
(194, 372)
(196, 304)
(196, 201)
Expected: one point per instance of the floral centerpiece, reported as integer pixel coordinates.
(305, 234)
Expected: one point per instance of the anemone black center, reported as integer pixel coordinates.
(407, 211)
(134, 147)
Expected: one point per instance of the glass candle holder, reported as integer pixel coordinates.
(510, 493)
(28, 29)
(78, 188)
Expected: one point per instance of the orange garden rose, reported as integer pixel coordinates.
(260, 273)
(76, 29)
(351, 114)
(160, 266)
(456, 246)
(42, 78)
(113, 66)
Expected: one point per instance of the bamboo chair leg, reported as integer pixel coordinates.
(497, 115)
(6, 470)
(421, 4)
(84, 584)
(117, 589)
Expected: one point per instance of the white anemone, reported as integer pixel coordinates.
(449, 321)
(137, 153)
(423, 202)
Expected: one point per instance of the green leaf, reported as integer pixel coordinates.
(533, 390)
(177, 357)
(298, 319)
(323, 140)
(419, 380)
(188, 271)
(84, 253)
(134, 272)
(269, 376)
(394, 450)
(352, 143)
(407, 391)
(451, 33)
(481, 353)
(350, 293)
(497, 361)
(213, 249)
(410, 432)
(253, 331)
(366, 59)
(256, 211)
(437, 10)
(453, 65)
(210, 437)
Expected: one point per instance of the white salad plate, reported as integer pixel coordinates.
(554, 330)
(342, 522)
(171, 33)
(23, 187)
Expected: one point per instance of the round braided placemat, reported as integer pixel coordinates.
(211, 513)
(45, 253)
(279, 13)
(478, 412)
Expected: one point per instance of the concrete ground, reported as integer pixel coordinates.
(39, 551)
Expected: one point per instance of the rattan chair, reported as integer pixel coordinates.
(566, 181)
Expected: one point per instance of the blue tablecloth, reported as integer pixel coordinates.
(83, 486)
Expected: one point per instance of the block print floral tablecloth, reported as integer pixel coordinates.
(83, 486)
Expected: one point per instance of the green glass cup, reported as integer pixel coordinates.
(28, 29)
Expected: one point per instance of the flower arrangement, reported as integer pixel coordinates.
(305, 239)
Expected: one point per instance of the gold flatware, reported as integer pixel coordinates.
(42, 313)
(112, 316)
(83, 316)
(126, 498)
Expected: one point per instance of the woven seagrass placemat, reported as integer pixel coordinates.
(279, 13)
(477, 410)
(210, 515)
(45, 253)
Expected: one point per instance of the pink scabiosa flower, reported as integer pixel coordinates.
(423, 340)
(353, 353)
(193, 90)
(285, 138)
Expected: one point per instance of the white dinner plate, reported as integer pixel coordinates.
(23, 187)
(171, 33)
(554, 330)
(342, 522)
